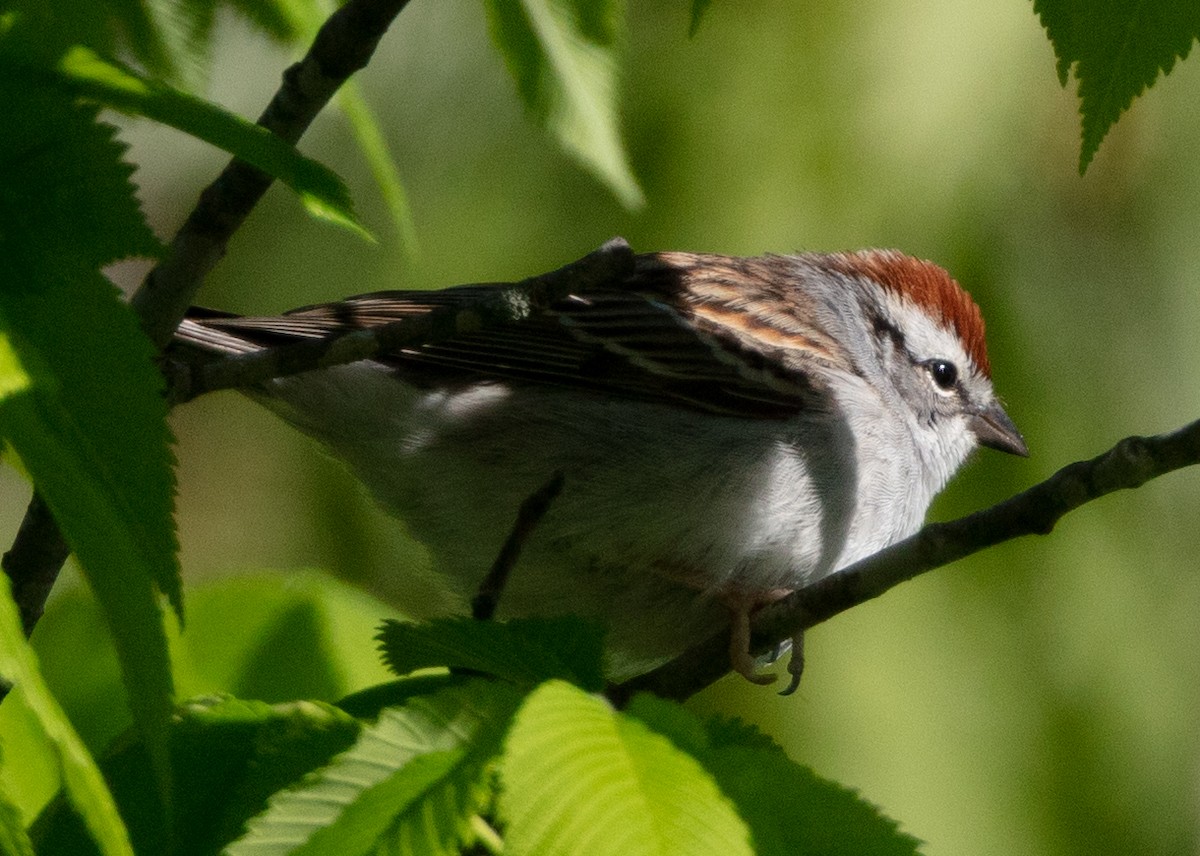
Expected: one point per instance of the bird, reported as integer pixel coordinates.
(726, 430)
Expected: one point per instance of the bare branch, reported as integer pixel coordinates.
(612, 261)
(533, 509)
(1129, 464)
(37, 554)
(343, 45)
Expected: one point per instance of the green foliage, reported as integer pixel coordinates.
(576, 775)
(14, 841)
(581, 778)
(365, 126)
(788, 808)
(81, 402)
(408, 785)
(227, 755)
(554, 770)
(84, 786)
(152, 32)
(1118, 50)
(524, 651)
(564, 57)
(84, 73)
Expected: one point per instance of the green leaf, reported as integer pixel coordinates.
(411, 782)
(14, 841)
(292, 659)
(83, 73)
(1118, 49)
(564, 56)
(82, 401)
(66, 202)
(282, 20)
(147, 30)
(525, 651)
(84, 785)
(371, 142)
(789, 809)
(228, 756)
(581, 778)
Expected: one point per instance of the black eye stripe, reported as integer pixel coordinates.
(883, 327)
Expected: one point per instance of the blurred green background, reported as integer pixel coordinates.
(1042, 698)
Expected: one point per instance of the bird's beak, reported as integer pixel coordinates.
(994, 429)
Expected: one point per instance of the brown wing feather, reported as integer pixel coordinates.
(680, 330)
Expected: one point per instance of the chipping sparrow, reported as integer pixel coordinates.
(728, 430)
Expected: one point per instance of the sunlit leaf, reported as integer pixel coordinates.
(84, 785)
(789, 809)
(14, 841)
(83, 404)
(410, 783)
(581, 778)
(228, 756)
(564, 55)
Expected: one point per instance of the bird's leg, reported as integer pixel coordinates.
(741, 606)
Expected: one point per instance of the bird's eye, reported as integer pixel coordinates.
(944, 373)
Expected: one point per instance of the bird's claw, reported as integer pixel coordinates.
(795, 664)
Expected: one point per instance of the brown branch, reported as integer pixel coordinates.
(1129, 464)
(33, 563)
(533, 509)
(611, 262)
(343, 45)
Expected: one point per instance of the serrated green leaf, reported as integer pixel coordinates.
(564, 55)
(1118, 50)
(99, 521)
(581, 779)
(84, 785)
(228, 756)
(66, 201)
(81, 72)
(143, 29)
(792, 810)
(83, 406)
(526, 650)
(410, 783)
(789, 809)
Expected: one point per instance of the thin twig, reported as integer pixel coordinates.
(610, 263)
(37, 554)
(1129, 464)
(533, 509)
(343, 45)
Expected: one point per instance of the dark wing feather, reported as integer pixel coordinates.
(650, 338)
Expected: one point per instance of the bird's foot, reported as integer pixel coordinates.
(741, 606)
(739, 645)
(795, 664)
